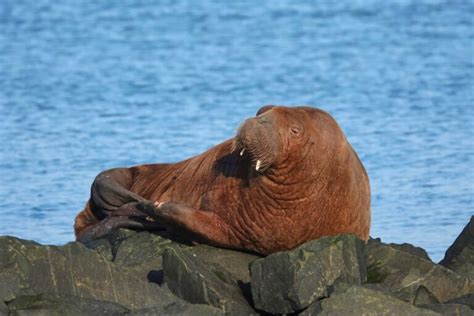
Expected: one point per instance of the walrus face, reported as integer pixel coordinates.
(272, 137)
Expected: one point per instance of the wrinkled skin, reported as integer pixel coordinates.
(309, 183)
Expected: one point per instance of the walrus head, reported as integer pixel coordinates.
(280, 136)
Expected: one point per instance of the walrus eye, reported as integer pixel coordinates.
(295, 131)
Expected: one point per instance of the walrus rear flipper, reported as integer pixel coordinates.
(111, 223)
(111, 191)
(111, 206)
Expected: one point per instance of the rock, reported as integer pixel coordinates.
(460, 255)
(405, 247)
(3, 309)
(107, 246)
(207, 275)
(142, 249)
(358, 300)
(27, 268)
(450, 309)
(289, 281)
(235, 262)
(181, 309)
(46, 304)
(413, 278)
(467, 299)
(140, 252)
(423, 296)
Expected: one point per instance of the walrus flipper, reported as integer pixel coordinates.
(112, 223)
(111, 190)
(111, 206)
(206, 226)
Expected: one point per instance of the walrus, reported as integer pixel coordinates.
(287, 177)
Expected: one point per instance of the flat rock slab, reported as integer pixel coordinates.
(131, 248)
(289, 281)
(181, 309)
(358, 300)
(467, 299)
(142, 249)
(451, 309)
(405, 247)
(413, 278)
(139, 252)
(27, 268)
(235, 262)
(107, 246)
(46, 304)
(460, 255)
(207, 275)
(3, 309)
(50, 305)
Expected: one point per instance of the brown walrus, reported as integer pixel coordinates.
(288, 176)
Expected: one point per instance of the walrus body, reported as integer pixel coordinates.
(288, 176)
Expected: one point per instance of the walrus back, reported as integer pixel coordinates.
(84, 219)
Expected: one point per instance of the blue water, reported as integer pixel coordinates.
(90, 85)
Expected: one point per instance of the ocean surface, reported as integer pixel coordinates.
(90, 85)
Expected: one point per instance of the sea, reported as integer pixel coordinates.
(91, 85)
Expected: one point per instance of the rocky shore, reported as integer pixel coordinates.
(139, 273)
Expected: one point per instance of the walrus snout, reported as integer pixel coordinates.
(256, 138)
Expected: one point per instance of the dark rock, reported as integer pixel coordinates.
(423, 296)
(46, 304)
(358, 300)
(141, 254)
(460, 255)
(103, 247)
(107, 246)
(412, 278)
(180, 308)
(289, 281)
(405, 247)
(27, 268)
(3, 309)
(142, 249)
(450, 309)
(207, 275)
(235, 262)
(467, 299)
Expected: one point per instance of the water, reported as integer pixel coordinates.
(90, 85)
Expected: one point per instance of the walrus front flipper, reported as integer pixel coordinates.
(206, 226)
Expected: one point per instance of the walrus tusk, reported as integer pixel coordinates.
(242, 152)
(257, 166)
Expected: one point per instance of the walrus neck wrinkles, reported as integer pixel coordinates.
(279, 186)
(294, 181)
(291, 171)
